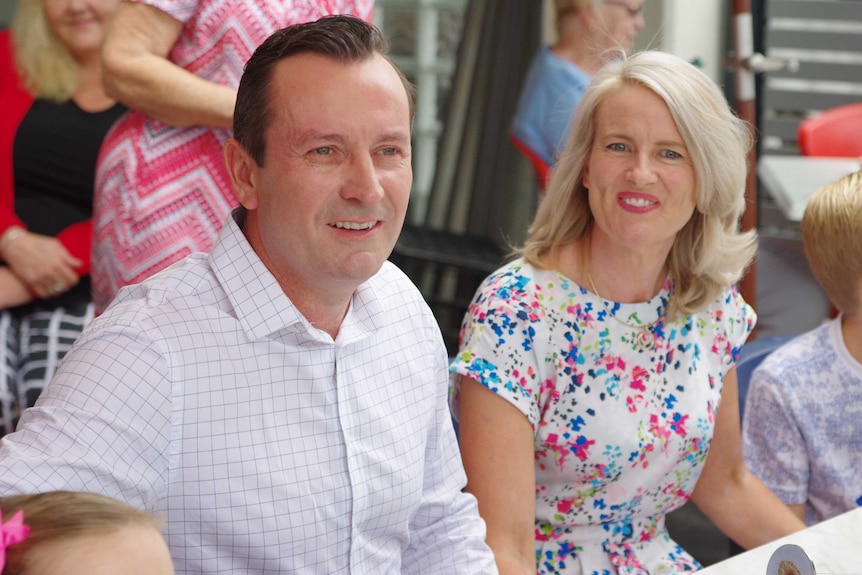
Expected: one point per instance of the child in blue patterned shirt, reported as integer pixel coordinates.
(801, 434)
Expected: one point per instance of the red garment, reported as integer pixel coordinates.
(15, 101)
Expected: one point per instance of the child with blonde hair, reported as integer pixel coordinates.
(801, 433)
(75, 533)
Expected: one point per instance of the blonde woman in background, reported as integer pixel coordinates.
(55, 116)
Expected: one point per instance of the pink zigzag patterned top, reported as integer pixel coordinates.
(162, 192)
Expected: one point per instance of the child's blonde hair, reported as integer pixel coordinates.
(58, 516)
(832, 240)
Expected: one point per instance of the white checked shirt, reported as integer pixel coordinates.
(203, 395)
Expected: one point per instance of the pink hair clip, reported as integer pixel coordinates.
(12, 532)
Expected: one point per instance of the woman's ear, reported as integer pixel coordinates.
(243, 172)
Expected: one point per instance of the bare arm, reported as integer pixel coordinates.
(13, 291)
(798, 510)
(39, 261)
(138, 73)
(732, 497)
(497, 449)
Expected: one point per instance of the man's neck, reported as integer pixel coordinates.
(326, 314)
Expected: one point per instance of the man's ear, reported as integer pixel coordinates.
(242, 170)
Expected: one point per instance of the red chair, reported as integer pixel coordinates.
(835, 132)
(543, 170)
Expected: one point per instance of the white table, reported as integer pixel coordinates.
(835, 547)
(791, 180)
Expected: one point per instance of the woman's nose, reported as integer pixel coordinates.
(642, 170)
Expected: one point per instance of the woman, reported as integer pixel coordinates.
(587, 32)
(597, 370)
(56, 114)
(162, 191)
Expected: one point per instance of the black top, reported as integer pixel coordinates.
(54, 162)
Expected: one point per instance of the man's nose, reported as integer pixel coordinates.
(363, 180)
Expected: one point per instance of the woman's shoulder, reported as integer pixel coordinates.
(520, 284)
(729, 303)
(515, 277)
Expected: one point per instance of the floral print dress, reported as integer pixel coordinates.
(621, 430)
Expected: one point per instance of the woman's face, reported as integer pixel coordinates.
(80, 24)
(640, 177)
(621, 20)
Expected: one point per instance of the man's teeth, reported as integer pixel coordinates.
(354, 225)
(637, 202)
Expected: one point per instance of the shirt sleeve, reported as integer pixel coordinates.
(741, 319)
(102, 425)
(497, 343)
(447, 535)
(773, 446)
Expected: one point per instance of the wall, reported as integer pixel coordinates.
(694, 30)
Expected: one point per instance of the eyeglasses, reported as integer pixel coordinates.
(633, 12)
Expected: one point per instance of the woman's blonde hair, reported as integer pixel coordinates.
(58, 516)
(48, 68)
(709, 253)
(832, 240)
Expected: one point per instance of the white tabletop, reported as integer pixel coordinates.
(791, 180)
(835, 547)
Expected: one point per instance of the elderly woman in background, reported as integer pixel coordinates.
(588, 31)
(597, 370)
(162, 191)
(55, 115)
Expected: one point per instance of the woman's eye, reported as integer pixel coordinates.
(617, 147)
(672, 155)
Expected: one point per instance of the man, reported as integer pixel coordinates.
(282, 401)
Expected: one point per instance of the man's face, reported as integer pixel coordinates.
(329, 201)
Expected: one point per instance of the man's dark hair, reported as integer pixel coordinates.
(344, 38)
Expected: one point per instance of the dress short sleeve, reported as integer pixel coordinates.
(497, 341)
(740, 319)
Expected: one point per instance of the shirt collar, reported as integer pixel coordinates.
(261, 306)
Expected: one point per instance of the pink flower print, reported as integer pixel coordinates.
(660, 431)
(678, 424)
(534, 316)
(639, 376)
(581, 447)
(614, 364)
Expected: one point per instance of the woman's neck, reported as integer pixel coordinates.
(577, 44)
(579, 54)
(620, 277)
(90, 94)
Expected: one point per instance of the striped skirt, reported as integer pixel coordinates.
(33, 340)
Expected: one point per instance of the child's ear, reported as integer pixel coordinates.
(243, 172)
